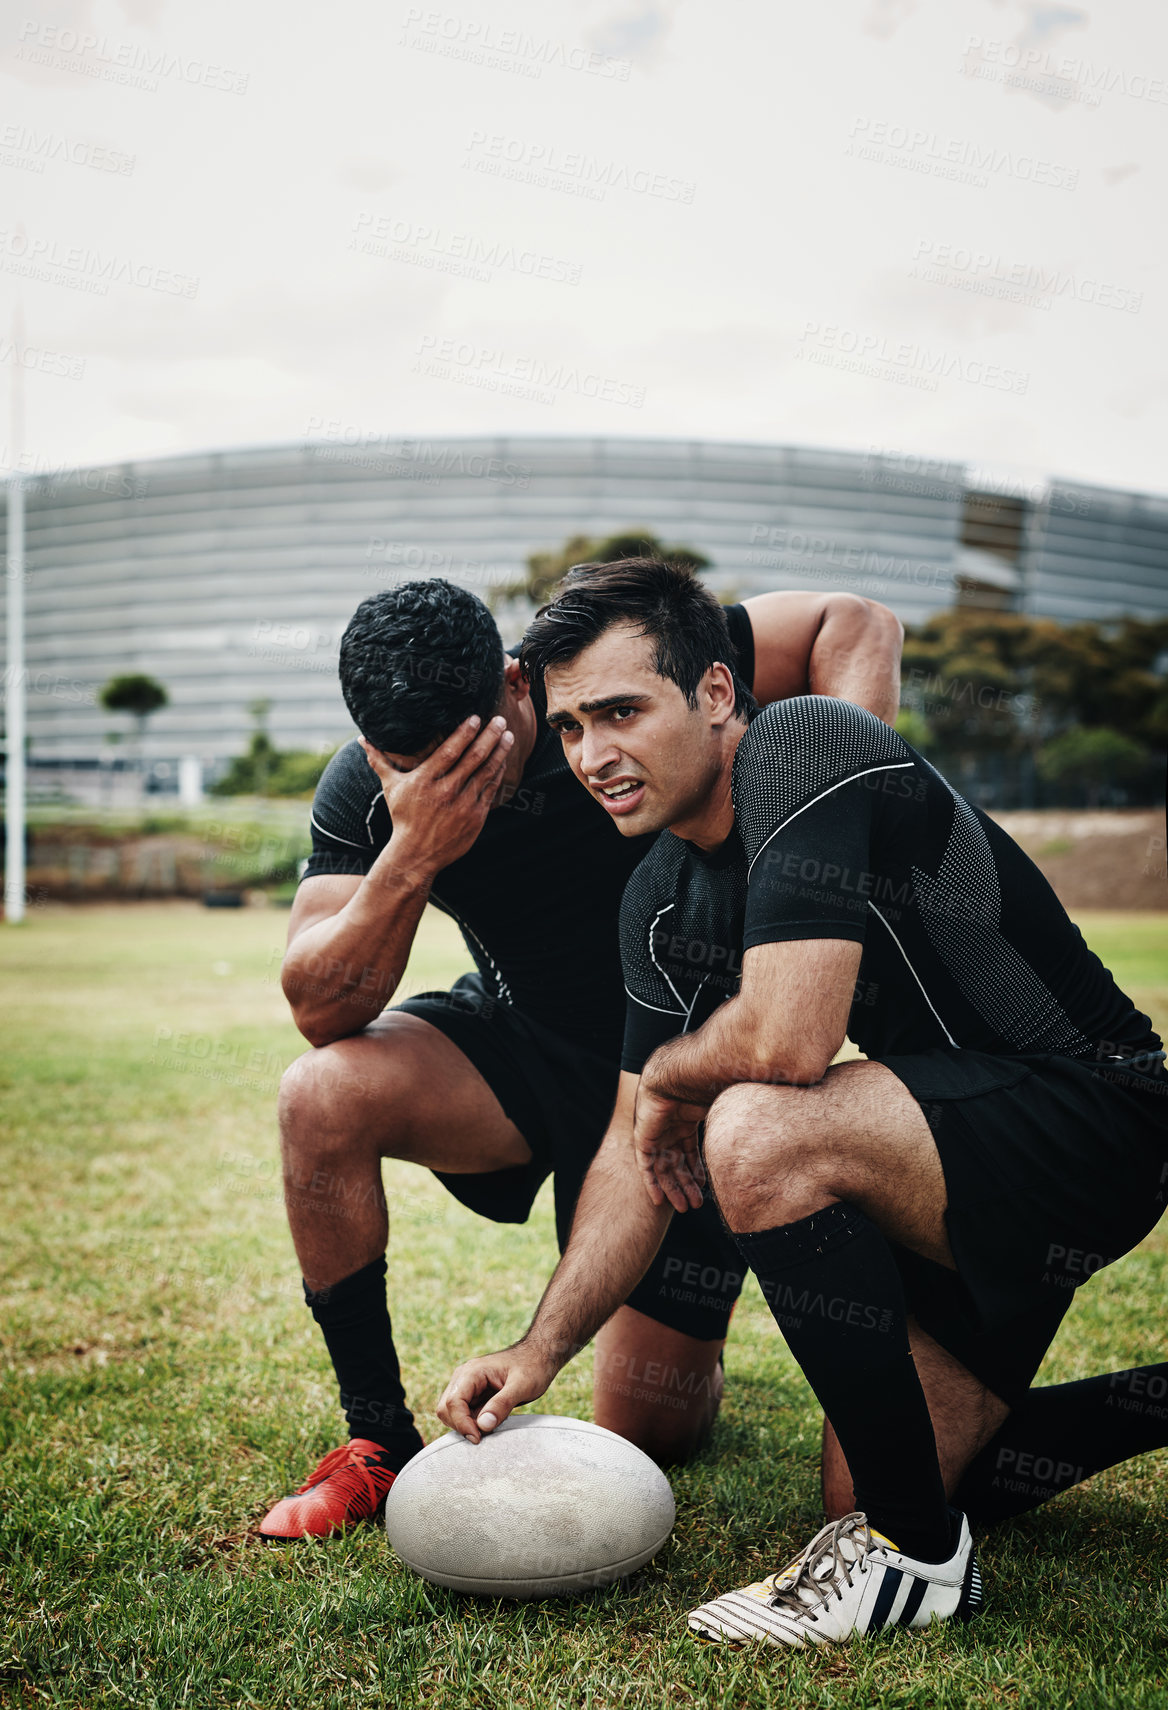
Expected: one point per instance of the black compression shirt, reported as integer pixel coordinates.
(537, 896)
(843, 831)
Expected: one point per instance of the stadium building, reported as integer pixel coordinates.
(230, 576)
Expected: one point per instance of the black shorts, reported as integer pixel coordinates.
(1054, 1168)
(560, 1096)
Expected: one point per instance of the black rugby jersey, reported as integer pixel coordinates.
(537, 896)
(841, 830)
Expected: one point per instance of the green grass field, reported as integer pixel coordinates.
(163, 1383)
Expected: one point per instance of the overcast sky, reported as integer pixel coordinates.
(935, 226)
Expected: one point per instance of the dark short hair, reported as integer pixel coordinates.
(418, 659)
(666, 602)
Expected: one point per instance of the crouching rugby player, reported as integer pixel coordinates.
(919, 1221)
(456, 795)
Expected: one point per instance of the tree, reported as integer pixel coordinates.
(1093, 757)
(545, 569)
(999, 681)
(137, 695)
(272, 771)
(265, 770)
(914, 727)
(964, 674)
(999, 692)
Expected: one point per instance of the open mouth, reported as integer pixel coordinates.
(622, 796)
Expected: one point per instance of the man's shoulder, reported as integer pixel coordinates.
(817, 735)
(348, 771)
(797, 750)
(822, 720)
(346, 797)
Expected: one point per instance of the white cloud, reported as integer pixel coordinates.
(654, 194)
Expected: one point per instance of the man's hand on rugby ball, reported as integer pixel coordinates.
(438, 807)
(665, 1140)
(482, 1393)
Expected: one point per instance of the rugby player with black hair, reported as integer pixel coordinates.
(918, 1221)
(455, 794)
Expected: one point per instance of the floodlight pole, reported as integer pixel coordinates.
(15, 786)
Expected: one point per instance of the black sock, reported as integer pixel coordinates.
(357, 1332)
(1058, 1436)
(832, 1284)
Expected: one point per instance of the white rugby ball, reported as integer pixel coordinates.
(541, 1507)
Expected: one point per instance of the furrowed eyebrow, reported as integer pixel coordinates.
(599, 706)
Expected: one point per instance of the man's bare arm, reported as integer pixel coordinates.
(784, 1028)
(349, 938)
(615, 1234)
(826, 644)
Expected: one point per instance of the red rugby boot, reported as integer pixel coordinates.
(350, 1484)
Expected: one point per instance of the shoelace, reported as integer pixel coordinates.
(824, 1548)
(355, 1475)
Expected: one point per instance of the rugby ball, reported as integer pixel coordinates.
(541, 1507)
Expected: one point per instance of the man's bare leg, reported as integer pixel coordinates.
(400, 1089)
(816, 1182)
(869, 1143)
(404, 1090)
(655, 1386)
(783, 1152)
(964, 1412)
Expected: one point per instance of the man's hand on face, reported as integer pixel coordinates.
(481, 1393)
(665, 1139)
(438, 807)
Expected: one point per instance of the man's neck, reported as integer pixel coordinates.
(713, 821)
(523, 723)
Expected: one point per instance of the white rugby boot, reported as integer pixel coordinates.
(850, 1579)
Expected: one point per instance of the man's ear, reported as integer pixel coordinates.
(720, 693)
(515, 681)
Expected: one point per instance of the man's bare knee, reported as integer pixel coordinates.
(736, 1148)
(655, 1386)
(324, 1103)
(398, 1089)
(762, 1159)
(307, 1099)
(735, 1113)
(668, 1434)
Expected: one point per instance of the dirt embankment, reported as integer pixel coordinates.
(79, 862)
(1100, 858)
(1096, 859)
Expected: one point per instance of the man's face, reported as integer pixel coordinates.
(629, 735)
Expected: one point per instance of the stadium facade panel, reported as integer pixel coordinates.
(230, 576)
